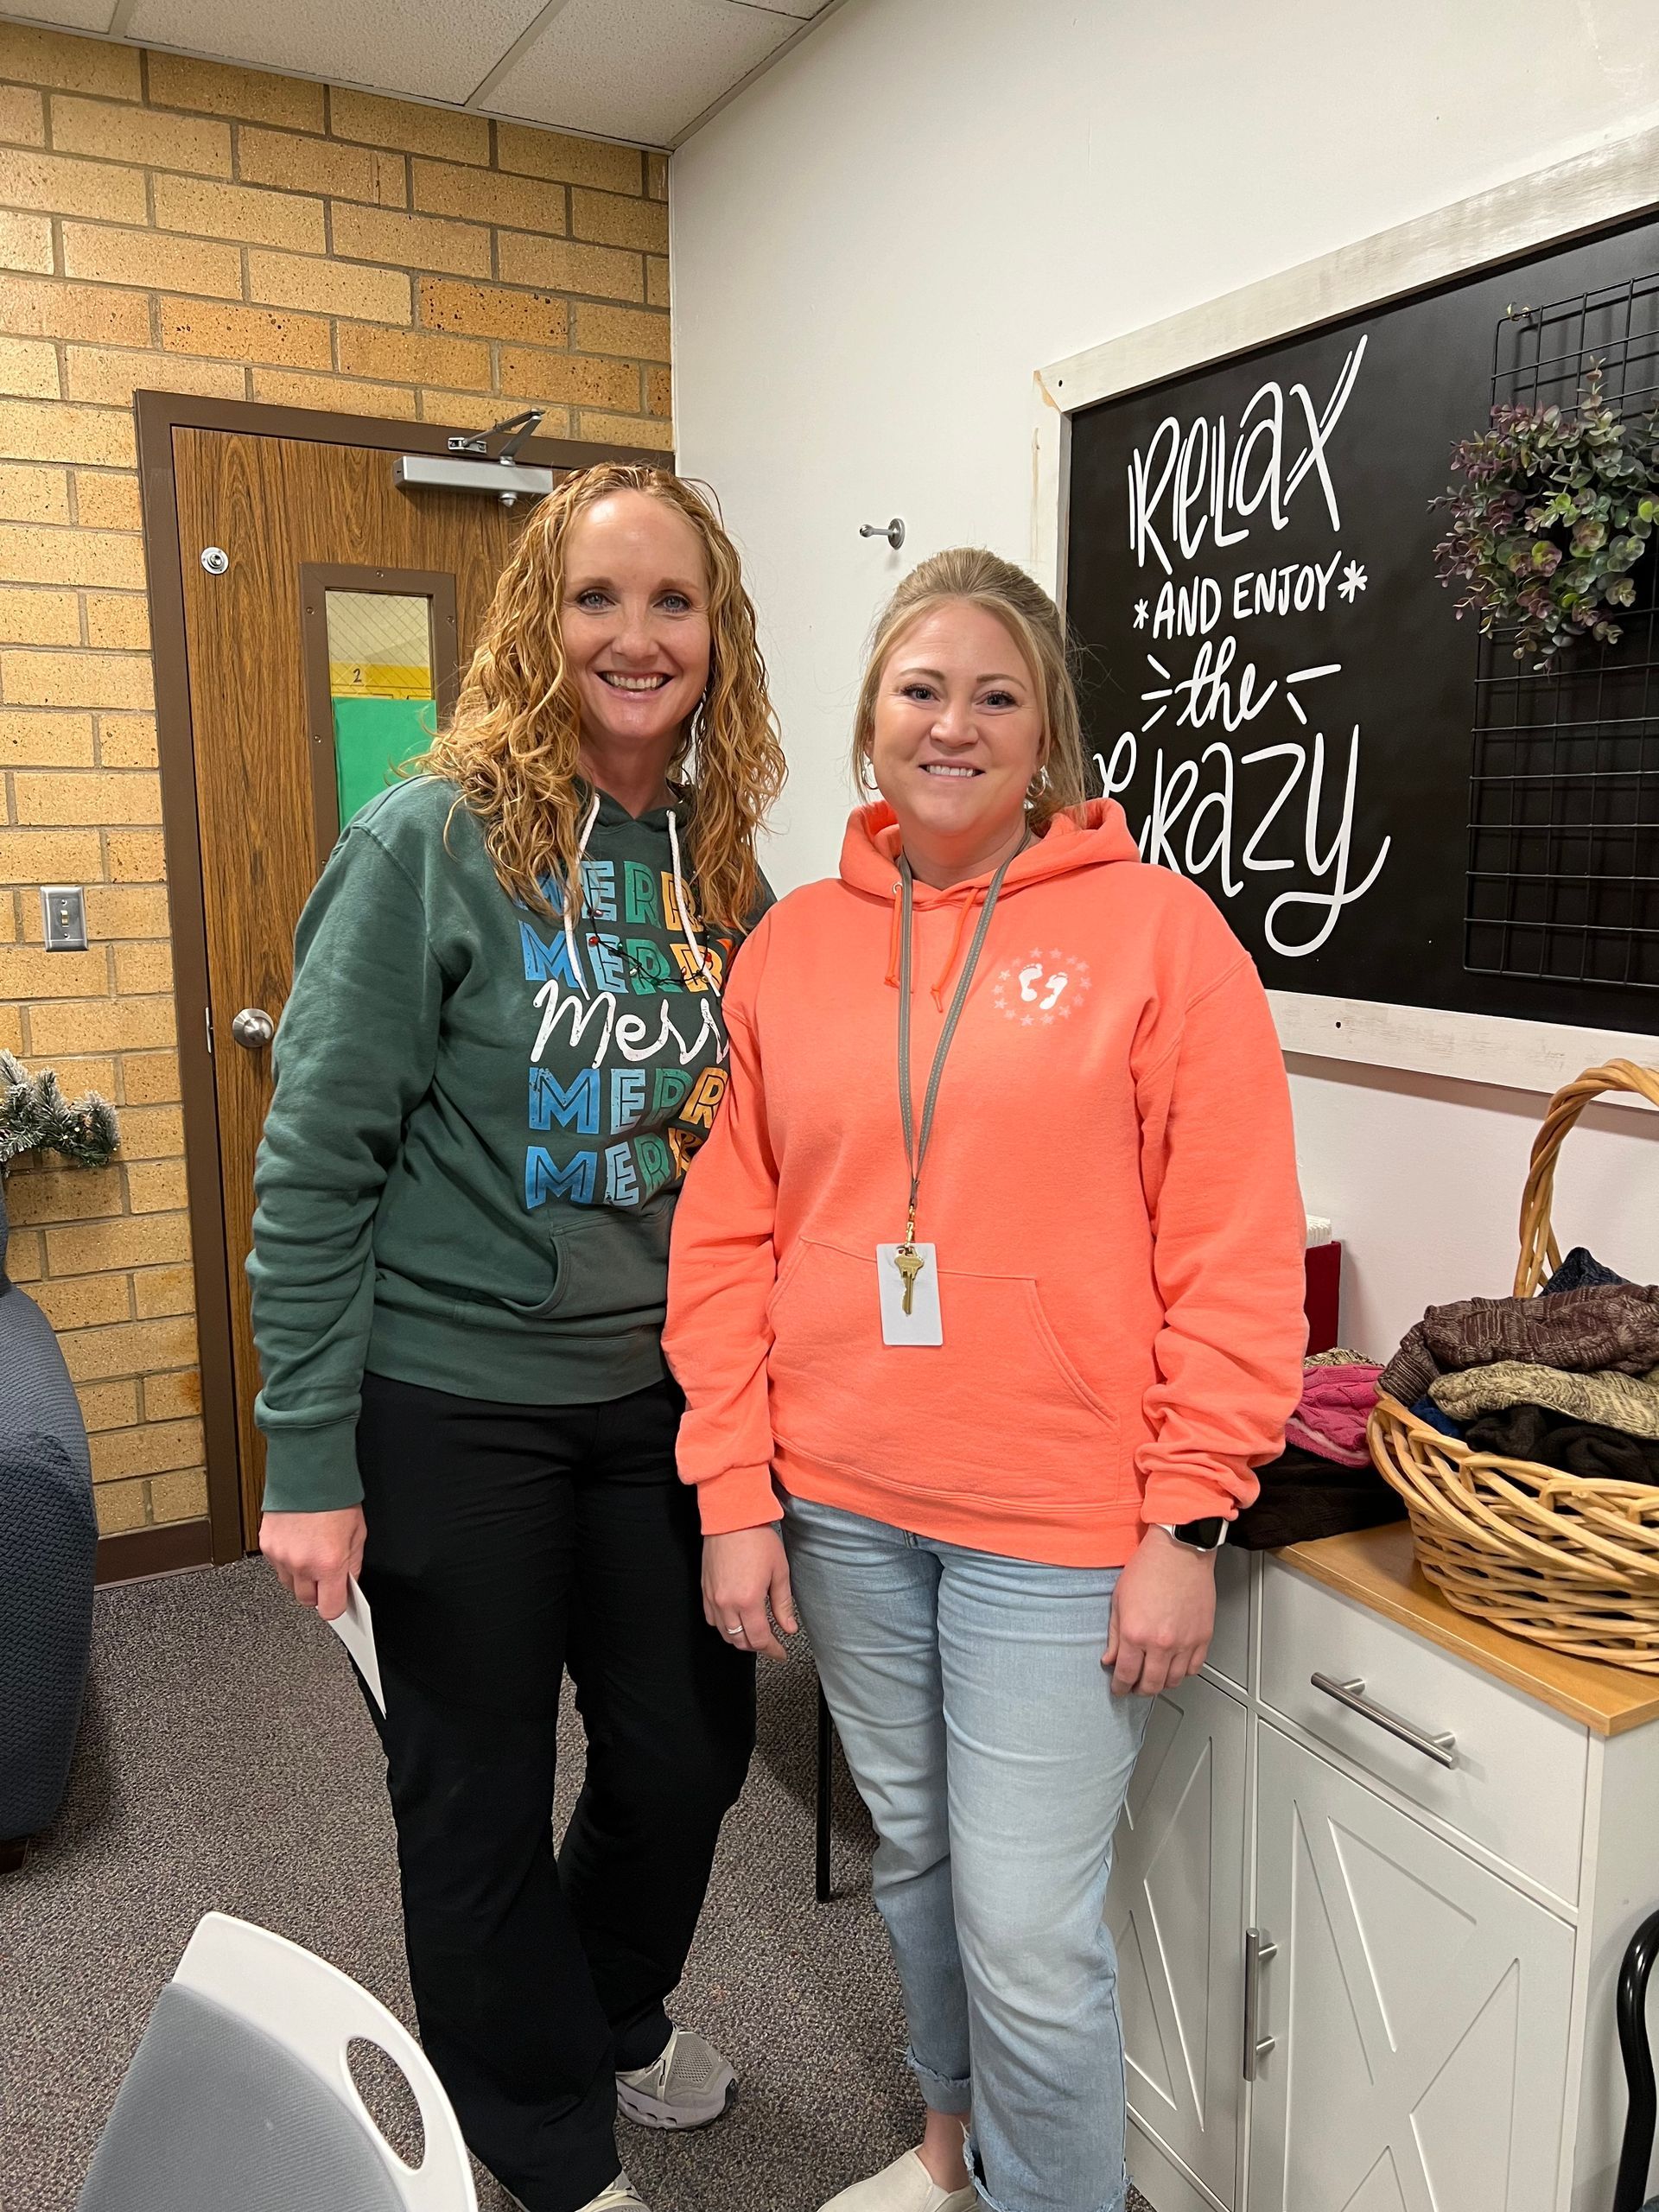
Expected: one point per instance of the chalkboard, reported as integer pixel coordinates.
(1277, 689)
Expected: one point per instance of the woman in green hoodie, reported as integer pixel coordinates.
(502, 1044)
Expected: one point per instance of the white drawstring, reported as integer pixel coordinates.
(576, 968)
(705, 967)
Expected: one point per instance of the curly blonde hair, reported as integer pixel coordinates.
(1035, 623)
(512, 746)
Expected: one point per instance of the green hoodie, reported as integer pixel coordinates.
(480, 1123)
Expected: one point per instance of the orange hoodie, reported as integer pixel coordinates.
(1111, 1187)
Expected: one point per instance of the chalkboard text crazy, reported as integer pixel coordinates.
(1247, 756)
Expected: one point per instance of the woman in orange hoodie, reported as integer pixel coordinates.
(986, 1295)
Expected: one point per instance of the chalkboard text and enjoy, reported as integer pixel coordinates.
(1278, 691)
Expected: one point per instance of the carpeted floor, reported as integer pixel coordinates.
(226, 1761)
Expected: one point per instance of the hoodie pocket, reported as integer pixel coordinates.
(610, 1267)
(614, 1267)
(998, 1411)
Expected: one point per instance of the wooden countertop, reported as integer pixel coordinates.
(1378, 1569)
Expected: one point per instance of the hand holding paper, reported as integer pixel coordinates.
(355, 1629)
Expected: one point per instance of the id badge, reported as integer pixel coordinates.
(922, 1324)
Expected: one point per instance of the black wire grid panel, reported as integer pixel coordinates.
(1564, 783)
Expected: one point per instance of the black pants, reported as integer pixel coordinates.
(505, 1543)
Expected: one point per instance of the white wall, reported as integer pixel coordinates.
(877, 244)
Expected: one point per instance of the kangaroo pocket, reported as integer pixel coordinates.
(613, 1268)
(999, 1410)
(594, 1274)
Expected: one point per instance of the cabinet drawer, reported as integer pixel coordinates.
(1518, 1781)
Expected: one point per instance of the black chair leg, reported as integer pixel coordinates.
(826, 1751)
(1636, 2151)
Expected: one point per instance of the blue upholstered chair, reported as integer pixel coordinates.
(48, 1543)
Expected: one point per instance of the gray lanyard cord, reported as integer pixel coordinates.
(916, 1152)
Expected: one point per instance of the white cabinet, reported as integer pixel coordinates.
(1517, 1785)
(1418, 2006)
(1437, 2012)
(1174, 1907)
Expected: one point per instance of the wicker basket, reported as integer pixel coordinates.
(1565, 1560)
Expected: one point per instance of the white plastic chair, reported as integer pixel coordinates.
(240, 2094)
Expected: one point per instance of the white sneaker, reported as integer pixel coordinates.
(620, 2196)
(905, 2186)
(689, 2086)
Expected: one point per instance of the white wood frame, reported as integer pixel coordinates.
(1550, 208)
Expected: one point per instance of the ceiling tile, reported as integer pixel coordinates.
(392, 45)
(641, 69)
(71, 15)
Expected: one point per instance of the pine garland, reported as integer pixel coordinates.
(35, 1116)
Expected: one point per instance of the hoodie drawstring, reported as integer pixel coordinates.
(976, 896)
(895, 949)
(894, 946)
(576, 968)
(705, 966)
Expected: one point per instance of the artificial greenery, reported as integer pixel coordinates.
(1554, 511)
(35, 1116)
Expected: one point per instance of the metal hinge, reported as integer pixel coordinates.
(207, 1018)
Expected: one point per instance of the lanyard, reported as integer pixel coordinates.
(915, 1152)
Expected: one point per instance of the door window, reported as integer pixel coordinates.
(381, 688)
(379, 653)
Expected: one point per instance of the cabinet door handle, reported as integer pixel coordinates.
(1258, 1949)
(1443, 1750)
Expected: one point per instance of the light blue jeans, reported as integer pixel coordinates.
(985, 1737)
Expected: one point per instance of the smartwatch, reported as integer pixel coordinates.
(1206, 1536)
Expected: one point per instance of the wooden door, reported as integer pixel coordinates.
(314, 563)
(1419, 2004)
(1175, 1907)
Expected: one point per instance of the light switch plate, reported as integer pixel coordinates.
(63, 912)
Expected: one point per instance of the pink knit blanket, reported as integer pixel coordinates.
(1331, 1419)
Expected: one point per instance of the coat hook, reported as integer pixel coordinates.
(893, 532)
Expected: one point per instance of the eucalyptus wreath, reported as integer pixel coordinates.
(35, 1116)
(1553, 512)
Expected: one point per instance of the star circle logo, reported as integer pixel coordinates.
(1042, 988)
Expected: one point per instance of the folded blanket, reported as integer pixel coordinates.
(1555, 1441)
(1304, 1494)
(1413, 1367)
(1425, 1409)
(1611, 1400)
(1577, 1272)
(1602, 1326)
(1331, 1419)
(1462, 1335)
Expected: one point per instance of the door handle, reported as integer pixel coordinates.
(1258, 1949)
(253, 1029)
(1443, 1750)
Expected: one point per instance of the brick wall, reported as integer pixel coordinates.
(171, 223)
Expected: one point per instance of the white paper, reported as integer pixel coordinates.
(355, 1629)
(923, 1324)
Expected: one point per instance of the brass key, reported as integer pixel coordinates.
(910, 1263)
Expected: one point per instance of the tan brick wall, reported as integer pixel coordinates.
(171, 223)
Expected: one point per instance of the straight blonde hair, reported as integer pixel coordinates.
(512, 748)
(1029, 615)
